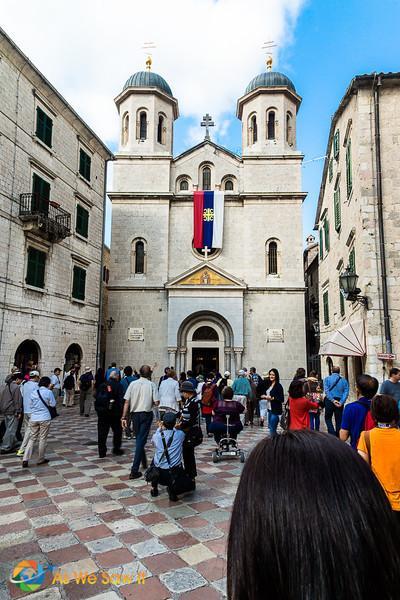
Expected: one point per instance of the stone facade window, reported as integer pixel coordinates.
(228, 185)
(272, 257)
(289, 128)
(141, 125)
(85, 164)
(139, 256)
(79, 283)
(44, 127)
(271, 134)
(82, 221)
(206, 178)
(161, 129)
(183, 185)
(36, 266)
(252, 130)
(125, 129)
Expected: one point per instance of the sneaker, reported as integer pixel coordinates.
(133, 475)
(119, 452)
(172, 496)
(45, 461)
(20, 452)
(25, 464)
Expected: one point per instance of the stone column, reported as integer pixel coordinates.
(172, 357)
(238, 359)
(228, 360)
(182, 366)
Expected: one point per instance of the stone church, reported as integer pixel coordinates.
(207, 309)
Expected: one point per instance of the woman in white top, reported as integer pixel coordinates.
(200, 380)
(40, 420)
(168, 392)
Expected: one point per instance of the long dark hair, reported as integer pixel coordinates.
(311, 521)
(276, 372)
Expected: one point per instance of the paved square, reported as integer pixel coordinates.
(83, 515)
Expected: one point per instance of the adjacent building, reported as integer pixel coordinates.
(310, 261)
(52, 192)
(209, 308)
(358, 219)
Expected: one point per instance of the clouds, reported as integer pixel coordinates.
(207, 50)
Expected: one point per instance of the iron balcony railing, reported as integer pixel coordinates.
(52, 221)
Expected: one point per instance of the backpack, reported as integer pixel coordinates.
(69, 382)
(86, 383)
(369, 422)
(208, 394)
(103, 397)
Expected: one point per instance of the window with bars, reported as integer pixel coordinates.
(79, 283)
(321, 243)
(349, 173)
(85, 163)
(337, 209)
(35, 267)
(82, 221)
(272, 258)
(325, 302)
(330, 169)
(352, 260)
(342, 305)
(44, 127)
(206, 178)
(326, 235)
(336, 144)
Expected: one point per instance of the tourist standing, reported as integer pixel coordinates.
(336, 390)
(108, 406)
(86, 391)
(166, 370)
(167, 439)
(140, 398)
(299, 406)
(199, 386)
(224, 381)
(355, 414)
(300, 374)
(11, 410)
(39, 423)
(110, 369)
(274, 396)
(190, 425)
(190, 377)
(380, 447)
(69, 388)
(27, 387)
(209, 394)
(391, 386)
(313, 391)
(56, 383)
(242, 390)
(169, 394)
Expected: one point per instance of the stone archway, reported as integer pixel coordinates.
(27, 355)
(73, 355)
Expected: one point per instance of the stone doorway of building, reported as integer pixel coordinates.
(27, 355)
(73, 356)
(205, 360)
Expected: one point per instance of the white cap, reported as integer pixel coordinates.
(241, 372)
(227, 374)
(87, 369)
(34, 374)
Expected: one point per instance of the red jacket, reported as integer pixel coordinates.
(299, 412)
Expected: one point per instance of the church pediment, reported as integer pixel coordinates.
(205, 276)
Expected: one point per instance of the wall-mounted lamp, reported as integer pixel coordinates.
(348, 284)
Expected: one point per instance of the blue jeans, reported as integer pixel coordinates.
(273, 421)
(314, 420)
(141, 422)
(330, 410)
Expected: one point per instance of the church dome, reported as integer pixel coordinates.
(148, 79)
(270, 79)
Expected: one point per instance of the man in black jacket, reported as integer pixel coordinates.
(109, 404)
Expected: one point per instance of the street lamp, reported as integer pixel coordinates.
(348, 284)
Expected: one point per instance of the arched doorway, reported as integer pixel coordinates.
(205, 349)
(73, 356)
(26, 355)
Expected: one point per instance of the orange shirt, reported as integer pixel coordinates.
(385, 460)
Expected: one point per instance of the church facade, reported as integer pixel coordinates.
(207, 309)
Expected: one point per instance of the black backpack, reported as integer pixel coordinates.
(103, 397)
(69, 382)
(86, 382)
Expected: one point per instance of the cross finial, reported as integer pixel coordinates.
(148, 46)
(267, 46)
(207, 122)
(206, 251)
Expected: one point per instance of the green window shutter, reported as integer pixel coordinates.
(44, 127)
(326, 235)
(79, 283)
(349, 173)
(84, 164)
(336, 144)
(35, 268)
(352, 260)
(325, 301)
(82, 221)
(342, 307)
(330, 170)
(337, 207)
(41, 191)
(321, 244)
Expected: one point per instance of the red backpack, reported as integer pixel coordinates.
(369, 421)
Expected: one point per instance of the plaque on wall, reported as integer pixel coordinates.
(275, 335)
(136, 334)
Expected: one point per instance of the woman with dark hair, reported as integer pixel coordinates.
(380, 447)
(274, 396)
(313, 390)
(300, 374)
(300, 406)
(182, 378)
(349, 549)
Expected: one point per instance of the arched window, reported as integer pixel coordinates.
(272, 257)
(289, 129)
(205, 333)
(271, 125)
(254, 129)
(125, 129)
(206, 178)
(138, 257)
(183, 185)
(161, 129)
(229, 185)
(143, 125)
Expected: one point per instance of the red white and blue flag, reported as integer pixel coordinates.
(208, 219)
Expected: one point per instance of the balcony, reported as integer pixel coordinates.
(44, 217)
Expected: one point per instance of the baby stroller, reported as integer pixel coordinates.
(227, 447)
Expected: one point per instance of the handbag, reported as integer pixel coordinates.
(180, 481)
(52, 409)
(152, 473)
(285, 418)
(194, 437)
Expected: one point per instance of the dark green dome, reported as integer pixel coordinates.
(148, 79)
(270, 79)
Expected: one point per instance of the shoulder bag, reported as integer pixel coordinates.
(52, 409)
(152, 473)
(180, 481)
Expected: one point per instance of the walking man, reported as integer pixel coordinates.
(11, 409)
(391, 386)
(108, 405)
(69, 388)
(56, 383)
(86, 391)
(140, 397)
(27, 388)
(336, 390)
(355, 414)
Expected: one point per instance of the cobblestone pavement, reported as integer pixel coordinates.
(82, 514)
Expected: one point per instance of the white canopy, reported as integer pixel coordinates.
(346, 341)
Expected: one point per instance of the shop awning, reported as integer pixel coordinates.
(346, 341)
